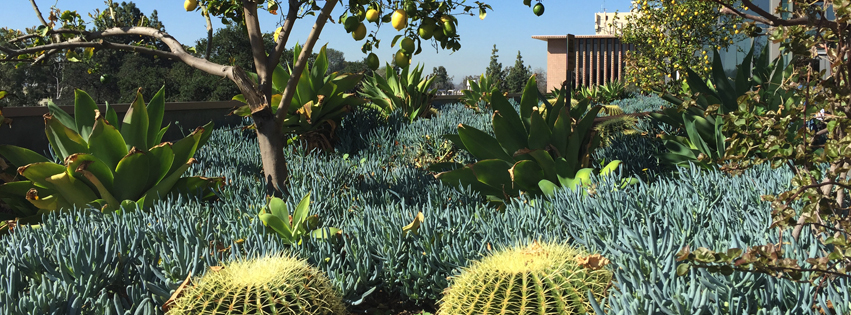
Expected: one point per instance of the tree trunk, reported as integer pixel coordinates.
(271, 140)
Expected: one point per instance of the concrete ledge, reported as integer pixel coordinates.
(27, 129)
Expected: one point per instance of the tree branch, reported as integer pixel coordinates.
(38, 13)
(258, 53)
(767, 18)
(209, 33)
(298, 68)
(282, 39)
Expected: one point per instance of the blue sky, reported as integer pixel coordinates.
(510, 26)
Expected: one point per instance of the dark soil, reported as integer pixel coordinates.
(381, 303)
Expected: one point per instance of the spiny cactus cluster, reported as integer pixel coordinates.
(541, 279)
(267, 285)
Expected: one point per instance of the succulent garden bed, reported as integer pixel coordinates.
(376, 184)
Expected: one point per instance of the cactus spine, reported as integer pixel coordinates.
(535, 279)
(267, 285)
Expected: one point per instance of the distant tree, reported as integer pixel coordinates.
(494, 72)
(358, 66)
(442, 80)
(463, 84)
(517, 76)
(336, 60)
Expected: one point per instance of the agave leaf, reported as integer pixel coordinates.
(320, 67)
(278, 225)
(49, 203)
(107, 143)
(134, 128)
(743, 73)
(528, 101)
(164, 187)
(300, 213)
(63, 117)
(242, 111)
(93, 165)
(278, 208)
(112, 116)
(161, 159)
(482, 145)
(526, 175)
(19, 156)
(156, 110)
(38, 172)
(279, 79)
(611, 167)
(84, 113)
(493, 173)
(577, 138)
(695, 137)
(203, 187)
(539, 132)
(561, 132)
(725, 90)
(206, 131)
(15, 189)
(132, 175)
(184, 149)
(547, 187)
(547, 164)
(582, 178)
(75, 191)
(161, 133)
(64, 140)
(508, 137)
(465, 177)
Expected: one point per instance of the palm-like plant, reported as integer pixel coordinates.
(407, 91)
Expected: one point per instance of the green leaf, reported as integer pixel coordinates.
(510, 138)
(107, 143)
(38, 172)
(526, 175)
(161, 133)
(19, 156)
(539, 132)
(156, 110)
(134, 128)
(64, 140)
(301, 211)
(161, 159)
(547, 187)
(132, 175)
(278, 225)
(494, 173)
(184, 149)
(93, 165)
(74, 191)
(84, 113)
(528, 101)
(482, 145)
(743, 74)
(206, 131)
(611, 167)
(112, 116)
(547, 164)
(164, 187)
(465, 177)
(279, 80)
(278, 208)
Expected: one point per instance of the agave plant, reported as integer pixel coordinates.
(292, 227)
(407, 91)
(700, 113)
(479, 92)
(319, 103)
(106, 163)
(532, 151)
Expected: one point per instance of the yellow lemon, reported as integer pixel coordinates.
(190, 5)
(359, 32)
(372, 15)
(399, 20)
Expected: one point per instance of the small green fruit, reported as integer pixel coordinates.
(360, 32)
(407, 45)
(449, 29)
(372, 61)
(538, 9)
(105, 78)
(350, 24)
(402, 60)
(527, 3)
(426, 31)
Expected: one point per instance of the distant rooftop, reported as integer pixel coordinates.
(548, 37)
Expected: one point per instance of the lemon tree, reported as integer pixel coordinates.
(65, 34)
(670, 35)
